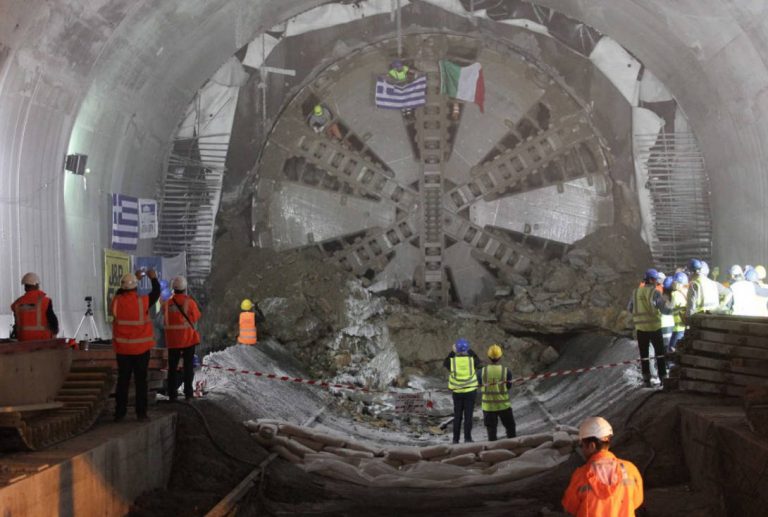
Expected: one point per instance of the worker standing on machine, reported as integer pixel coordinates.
(495, 383)
(180, 315)
(33, 314)
(132, 338)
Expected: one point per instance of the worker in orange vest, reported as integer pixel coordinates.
(133, 337)
(33, 312)
(180, 314)
(249, 317)
(606, 485)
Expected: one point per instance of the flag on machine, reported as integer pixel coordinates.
(392, 96)
(125, 222)
(463, 82)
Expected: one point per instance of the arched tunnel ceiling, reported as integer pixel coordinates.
(129, 68)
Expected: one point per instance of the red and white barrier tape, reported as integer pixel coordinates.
(324, 384)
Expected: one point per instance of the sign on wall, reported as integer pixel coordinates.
(116, 264)
(147, 218)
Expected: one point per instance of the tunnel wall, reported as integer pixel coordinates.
(116, 75)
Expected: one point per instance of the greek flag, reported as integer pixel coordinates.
(411, 95)
(125, 222)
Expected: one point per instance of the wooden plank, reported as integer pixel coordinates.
(731, 339)
(31, 407)
(708, 387)
(725, 350)
(752, 327)
(722, 377)
(755, 367)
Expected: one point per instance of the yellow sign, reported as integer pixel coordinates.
(116, 264)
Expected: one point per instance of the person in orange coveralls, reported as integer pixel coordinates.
(606, 486)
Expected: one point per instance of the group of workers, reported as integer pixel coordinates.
(662, 304)
(605, 485)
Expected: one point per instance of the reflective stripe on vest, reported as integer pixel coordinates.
(645, 315)
(399, 75)
(171, 306)
(142, 321)
(247, 335)
(495, 392)
(707, 295)
(37, 308)
(463, 376)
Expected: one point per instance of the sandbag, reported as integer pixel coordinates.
(295, 430)
(395, 464)
(496, 456)
(561, 439)
(376, 467)
(463, 460)
(268, 431)
(295, 446)
(286, 454)
(567, 428)
(266, 442)
(357, 446)
(251, 425)
(566, 451)
(506, 443)
(312, 444)
(534, 440)
(466, 448)
(326, 439)
(337, 469)
(435, 451)
(479, 465)
(349, 453)
(404, 454)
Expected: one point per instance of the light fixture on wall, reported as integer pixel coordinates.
(76, 164)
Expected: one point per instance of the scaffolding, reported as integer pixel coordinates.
(679, 192)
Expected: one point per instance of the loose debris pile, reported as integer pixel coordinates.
(436, 466)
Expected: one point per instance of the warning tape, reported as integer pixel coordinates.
(351, 387)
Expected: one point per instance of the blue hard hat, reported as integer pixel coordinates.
(668, 282)
(462, 346)
(651, 274)
(681, 278)
(195, 361)
(397, 63)
(751, 275)
(694, 265)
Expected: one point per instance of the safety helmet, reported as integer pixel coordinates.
(397, 64)
(668, 282)
(694, 265)
(495, 352)
(760, 270)
(30, 279)
(681, 278)
(651, 274)
(736, 271)
(128, 281)
(318, 110)
(704, 268)
(179, 283)
(595, 427)
(461, 346)
(246, 305)
(751, 275)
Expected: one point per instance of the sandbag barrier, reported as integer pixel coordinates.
(442, 465)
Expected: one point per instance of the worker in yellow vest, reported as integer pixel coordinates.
(496, 381)
(462, 364)
(646, 307)
(679, 303)
(249, 317)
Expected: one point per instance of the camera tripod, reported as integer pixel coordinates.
(91, 324)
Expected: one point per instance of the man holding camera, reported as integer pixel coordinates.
(132, 338)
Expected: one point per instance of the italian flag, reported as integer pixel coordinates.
(463, 82)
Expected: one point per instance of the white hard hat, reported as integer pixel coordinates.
(30, 279)
(736, 270)
(179, 283)
(595, 427)
(128, 281)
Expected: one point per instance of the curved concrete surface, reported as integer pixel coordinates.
(111, 79)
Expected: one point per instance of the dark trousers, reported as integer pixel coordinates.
(138, 366)
(491, 420)
(174, 355)
(463, 406)
(644, 340)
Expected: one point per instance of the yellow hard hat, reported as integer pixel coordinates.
(246, 305)
(760, 270)
(318, 109)
(495, 351)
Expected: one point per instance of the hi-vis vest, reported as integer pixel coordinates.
(247, 335)
(645, 315)
(707, 295)
(678, 312)
(495, 392)
(399, 75)
(132, 331)
(31, 313)
(178, 332)
(463, 378)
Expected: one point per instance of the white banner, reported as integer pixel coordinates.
(147, 218)
(175, 266)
